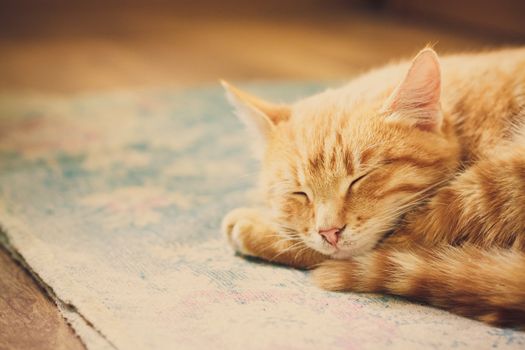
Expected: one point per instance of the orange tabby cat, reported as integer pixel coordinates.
(410, 180)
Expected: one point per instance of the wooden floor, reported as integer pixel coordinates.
(69, 53)
(64, 53)
(28, 319)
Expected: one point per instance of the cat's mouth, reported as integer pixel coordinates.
(349, 243)
(355, 246)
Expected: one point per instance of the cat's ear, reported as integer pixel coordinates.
(416, 99)
(259, 116)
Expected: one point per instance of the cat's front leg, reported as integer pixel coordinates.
(251, 233)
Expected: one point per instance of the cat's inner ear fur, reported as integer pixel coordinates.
(259, 116)
(417, 99)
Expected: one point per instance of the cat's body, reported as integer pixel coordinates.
(410, 180)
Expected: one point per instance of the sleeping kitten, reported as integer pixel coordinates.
(410, 180)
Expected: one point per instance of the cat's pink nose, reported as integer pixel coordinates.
(331, 235)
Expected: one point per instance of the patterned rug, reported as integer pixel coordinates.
(113, 201)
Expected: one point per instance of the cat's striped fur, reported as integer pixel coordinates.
(420, 167)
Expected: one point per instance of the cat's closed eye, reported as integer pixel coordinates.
(301, 195)
(356, 180)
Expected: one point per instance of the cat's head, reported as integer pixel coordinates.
(340, 169)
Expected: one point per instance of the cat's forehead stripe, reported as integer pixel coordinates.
(339, 159)
(317, 161)
(367, 155)
(348, 162)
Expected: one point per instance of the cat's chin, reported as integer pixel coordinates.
(344, 254)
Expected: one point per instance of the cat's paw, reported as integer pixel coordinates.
(334, 275)
(237, 226)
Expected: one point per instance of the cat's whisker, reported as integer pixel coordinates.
(300, 251)
(389, 218)
(288, 249)
(278, 239)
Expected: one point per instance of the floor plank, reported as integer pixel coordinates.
(28, 319)
(94, 51)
